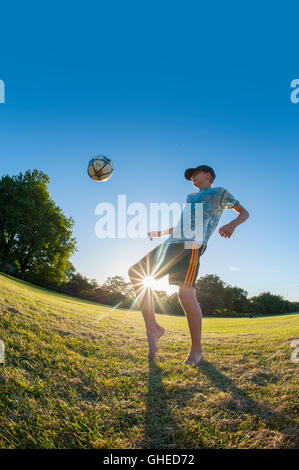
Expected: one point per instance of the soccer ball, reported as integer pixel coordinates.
(100, 168)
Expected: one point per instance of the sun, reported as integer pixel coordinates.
(149, 281)
(161, 284)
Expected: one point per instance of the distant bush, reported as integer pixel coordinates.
(271, 303)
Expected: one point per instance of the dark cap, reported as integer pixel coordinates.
(206, 168)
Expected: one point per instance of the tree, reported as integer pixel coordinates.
(34, 232)
(70, 272)
(235, 299)
(160, 299)
(210, 291)
(10, 212)
(117, 284)
(270, 303)
(115, 290)
(173, 306)
(80, 286)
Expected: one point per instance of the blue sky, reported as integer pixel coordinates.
(159, 87)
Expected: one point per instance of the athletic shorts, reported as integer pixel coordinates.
(180, 263)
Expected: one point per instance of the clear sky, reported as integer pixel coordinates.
(159, 87)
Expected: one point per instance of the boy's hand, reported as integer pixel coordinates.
(227, 230)
(153, 235)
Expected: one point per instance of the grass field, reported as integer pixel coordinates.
(77, 375)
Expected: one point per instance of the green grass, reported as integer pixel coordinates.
(77, 375)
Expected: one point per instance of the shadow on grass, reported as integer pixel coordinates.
(160, 429)
(246, 405)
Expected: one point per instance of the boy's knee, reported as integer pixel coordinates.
(183, 290)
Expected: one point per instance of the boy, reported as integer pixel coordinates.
(179, 257)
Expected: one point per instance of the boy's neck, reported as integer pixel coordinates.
(204, 186)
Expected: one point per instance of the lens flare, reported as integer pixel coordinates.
(149, 282)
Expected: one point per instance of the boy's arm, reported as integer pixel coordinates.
(227, 230)
(167, 231)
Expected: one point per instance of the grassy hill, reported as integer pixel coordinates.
(77, 375)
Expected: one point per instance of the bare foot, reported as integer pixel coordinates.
(152, 339)
(193, 358)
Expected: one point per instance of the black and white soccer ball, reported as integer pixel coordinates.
(100, 168)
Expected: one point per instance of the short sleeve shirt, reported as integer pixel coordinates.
(201, 215)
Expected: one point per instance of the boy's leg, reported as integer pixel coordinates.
(191, 307)
(153, 330)
(137, 274)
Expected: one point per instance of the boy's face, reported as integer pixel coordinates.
(199, 177)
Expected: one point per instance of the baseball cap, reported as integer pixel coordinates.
(206, 168)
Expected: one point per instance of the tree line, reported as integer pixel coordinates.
(36, 244)
(215, 296)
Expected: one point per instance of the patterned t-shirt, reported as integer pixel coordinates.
(201, 215)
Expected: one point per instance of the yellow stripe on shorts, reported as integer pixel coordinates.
(190, 265)
(192, 275)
